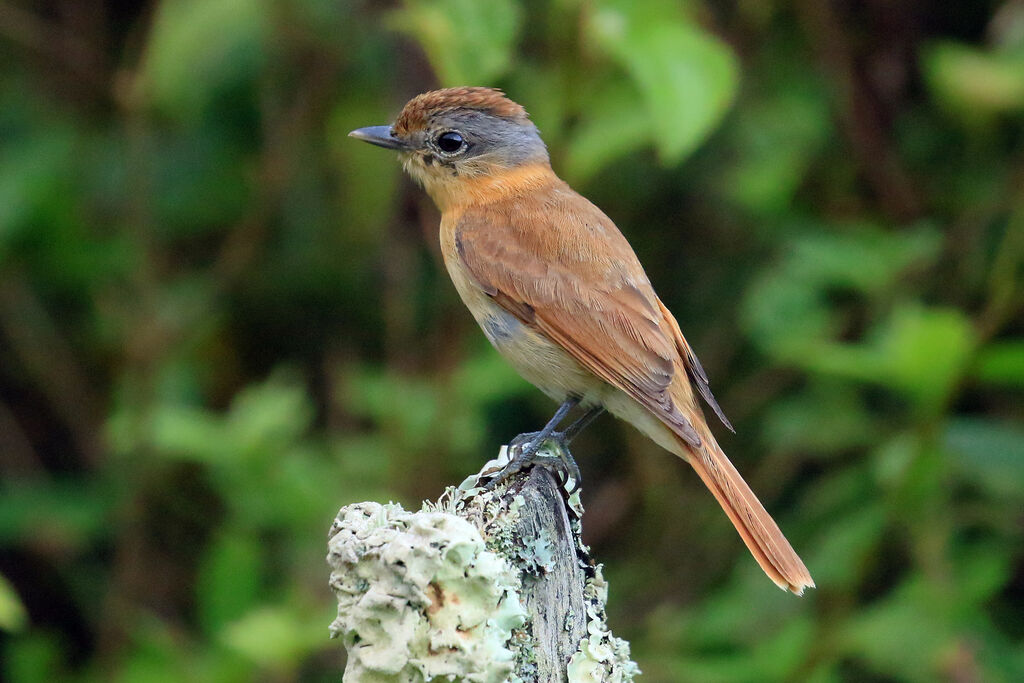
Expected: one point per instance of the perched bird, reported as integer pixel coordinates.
(560, 294)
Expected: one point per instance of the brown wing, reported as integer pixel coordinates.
(694, 368)
(568, 271)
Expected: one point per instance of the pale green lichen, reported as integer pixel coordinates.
(420, 597)
(601, 657)
(435, 595)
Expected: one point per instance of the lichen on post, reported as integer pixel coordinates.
(478, 586)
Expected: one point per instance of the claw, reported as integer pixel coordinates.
(526, 449)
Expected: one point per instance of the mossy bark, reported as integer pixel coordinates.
(477, 586)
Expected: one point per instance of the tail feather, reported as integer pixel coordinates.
(757, 528)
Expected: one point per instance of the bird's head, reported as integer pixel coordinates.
(448, 136)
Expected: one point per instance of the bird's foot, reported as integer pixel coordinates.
(526, 450)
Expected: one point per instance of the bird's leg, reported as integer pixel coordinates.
(525, 447)
(573, 430)
(563, 438)
(531, 444)
(566, 435)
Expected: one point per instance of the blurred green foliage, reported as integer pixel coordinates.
(220, 320)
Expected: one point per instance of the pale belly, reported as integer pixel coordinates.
(554, 371)
(540, 361)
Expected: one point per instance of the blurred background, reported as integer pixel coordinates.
(221, 319)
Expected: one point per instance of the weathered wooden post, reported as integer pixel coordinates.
(480, 585)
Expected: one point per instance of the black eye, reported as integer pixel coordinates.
(450, 142)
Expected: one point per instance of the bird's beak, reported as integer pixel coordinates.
(380, 136)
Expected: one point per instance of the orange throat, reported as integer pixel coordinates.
(493, 184)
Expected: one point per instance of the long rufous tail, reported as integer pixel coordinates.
(757, 528)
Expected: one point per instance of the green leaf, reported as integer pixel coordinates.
(367, 199)
(13, 616)
(866, 259)
(155, 656)
(275, 636)
(919, 351)
(181, 432)
(826, 417)
(974, 83)
(263, 418)
(407, 403)
(989, 453)
(787, 310)
(272, 414)
(468, 42)
(779, 656)
(982, 570)
(34, 657)
(775, 142)
(32, 176)
(229, 579)
(58, 515)
(784, 315)
(687, 77)
(895, 457)
(611, 126)
(839, 559)
(904, 635)
(486, 376)
(200, 47)
(204, 182)
(1001, 363)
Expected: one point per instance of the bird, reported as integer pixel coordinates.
(560, 293)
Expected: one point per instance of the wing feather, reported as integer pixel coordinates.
(584, 294)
